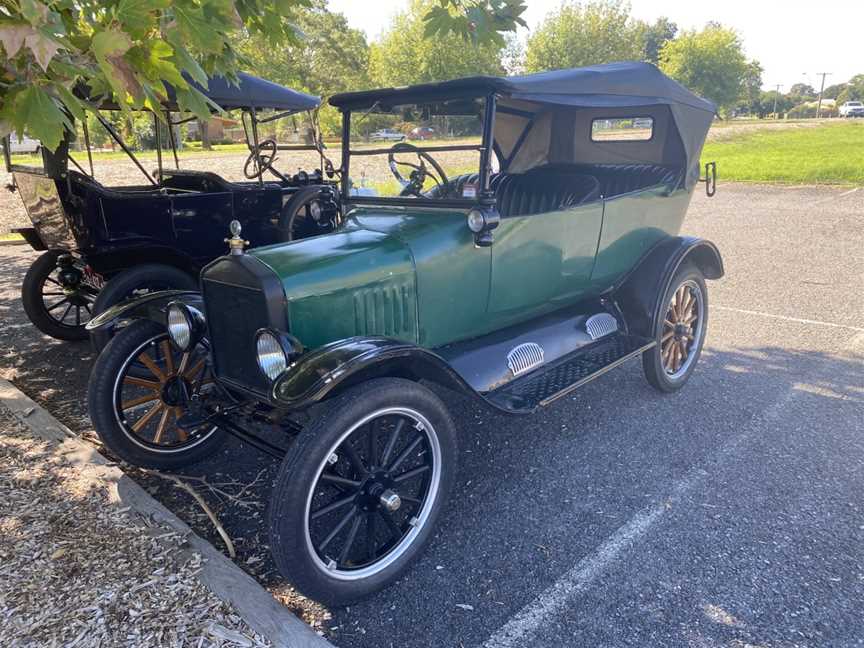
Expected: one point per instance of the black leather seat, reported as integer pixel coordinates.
(617, 179)
(538, 191)
(543, 190)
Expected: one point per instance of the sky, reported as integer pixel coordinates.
(794, 41)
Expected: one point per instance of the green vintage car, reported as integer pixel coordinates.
(529, 248)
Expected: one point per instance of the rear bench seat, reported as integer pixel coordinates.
(559, 186)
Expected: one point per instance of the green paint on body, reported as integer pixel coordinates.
(414, 274)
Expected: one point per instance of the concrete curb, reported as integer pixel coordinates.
(259, 609)
(4, 242)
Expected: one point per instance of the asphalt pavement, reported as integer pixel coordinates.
(727, 514)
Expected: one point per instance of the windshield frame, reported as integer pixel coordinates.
(484, 197)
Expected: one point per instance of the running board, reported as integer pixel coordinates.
(547, 384)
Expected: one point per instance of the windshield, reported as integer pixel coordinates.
(427, 151)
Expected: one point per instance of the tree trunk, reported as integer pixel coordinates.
(204, 127)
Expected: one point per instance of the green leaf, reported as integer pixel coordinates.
(184, 61)
(34, 12)
(72, 103)
(139, 16)
(45, 121)
(193, 101)
(111, 42)
(196, 29)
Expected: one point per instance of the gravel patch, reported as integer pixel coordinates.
(76, 570)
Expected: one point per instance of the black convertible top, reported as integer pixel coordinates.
(578, 95)
(611, 84)
(250, 92)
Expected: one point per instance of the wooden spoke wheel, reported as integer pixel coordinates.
(680, 331)
(681, 326)
(153, 390)
(361, 488)
(140, 390)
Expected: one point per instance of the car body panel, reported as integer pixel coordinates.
(353, 282)
(632, 224)
(543, 262)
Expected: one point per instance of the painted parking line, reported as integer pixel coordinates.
(524, 625)
(790, 319)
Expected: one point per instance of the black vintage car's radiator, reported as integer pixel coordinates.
(239, 299)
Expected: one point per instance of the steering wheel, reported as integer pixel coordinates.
(413, 186)
(260, 158)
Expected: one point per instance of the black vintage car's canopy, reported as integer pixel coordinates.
(561, 104)
(250, 92)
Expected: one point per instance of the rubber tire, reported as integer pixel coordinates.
(100, 402)
(652, 363)
(297, 474)
(34, 307)
(121, 286)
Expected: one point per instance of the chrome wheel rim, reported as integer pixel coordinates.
(681, 334)
(147, 407)
(399, 455)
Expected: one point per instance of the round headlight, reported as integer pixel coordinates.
(476, 221)
(271, 357)
(179, 327)
(315, 210)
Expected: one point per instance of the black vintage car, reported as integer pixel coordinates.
(530, 249)
(104, 244)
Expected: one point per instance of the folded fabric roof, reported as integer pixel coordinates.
(632, 83)
(250, 92)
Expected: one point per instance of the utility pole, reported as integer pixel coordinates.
(821, 90)
(779, 85)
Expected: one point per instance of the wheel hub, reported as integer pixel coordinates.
(681, 330)
(175, 391)
(378, 491)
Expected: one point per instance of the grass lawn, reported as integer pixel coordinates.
(830, 153)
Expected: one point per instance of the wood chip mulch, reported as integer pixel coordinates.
(77, 571)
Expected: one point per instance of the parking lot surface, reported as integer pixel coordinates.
(727, 514)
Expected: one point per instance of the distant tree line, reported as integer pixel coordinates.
(332, 57)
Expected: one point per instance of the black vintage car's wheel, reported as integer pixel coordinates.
(137, 281)
(136, 416)
(680, 331)
(360, 491)
(57, 296)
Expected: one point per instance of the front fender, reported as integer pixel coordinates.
(639, 295)
(328, 369)
(150, 306)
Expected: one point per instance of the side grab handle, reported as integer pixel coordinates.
(710, 179)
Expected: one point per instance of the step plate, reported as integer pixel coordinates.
(551, 382)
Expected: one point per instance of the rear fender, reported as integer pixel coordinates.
(640, 294)
(151, 306)
(334, 367)
(32, 237)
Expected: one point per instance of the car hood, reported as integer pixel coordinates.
(356, 281)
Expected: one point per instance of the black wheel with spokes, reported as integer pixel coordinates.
(137, 415)
(359, 493)
(58, 296)
(680, 331)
